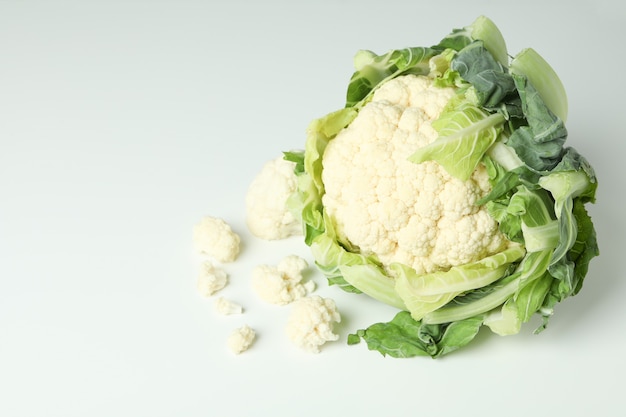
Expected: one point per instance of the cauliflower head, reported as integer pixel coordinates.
(387, 206)
(443, 188)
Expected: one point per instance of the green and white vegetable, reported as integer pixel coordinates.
(444, 188)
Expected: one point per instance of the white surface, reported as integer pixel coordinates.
(122, 123)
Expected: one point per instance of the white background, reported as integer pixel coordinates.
(122, 123)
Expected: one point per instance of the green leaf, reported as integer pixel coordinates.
(404, 337)
(504, 320)
(373, 70)
(483, 29)
(542, 76)
(509, 224)
(540, 143)
(505, 157)
(565, 186)
(532, 267)
(424, 293)
(296, 157)
(372, 280)
(440, 70)
(574, 161)
(459, 334)
(540, 230)
(398, 338)
(490, 79)
(465, 134)
(586, 246)
(307, 199)
(530, 298)
(534, 207)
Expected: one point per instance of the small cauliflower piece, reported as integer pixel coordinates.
(282, 284)
(227, 307)
(311, 322)
(215, 238)
(267, 215)
(241, 339)
(211, 279)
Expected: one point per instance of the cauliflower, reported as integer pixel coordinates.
(211, 279)
(311, 321)
(214, 237)
(443, 188)
(282, 284)
(227, 307)
(241, 339)
(399, 211)
(267, 215)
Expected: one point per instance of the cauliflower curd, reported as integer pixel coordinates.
(399, 211)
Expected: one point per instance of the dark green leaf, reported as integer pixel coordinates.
(489, 78)
(540, 143)
(404, 337)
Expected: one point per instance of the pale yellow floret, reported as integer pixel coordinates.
(241, 339)
(267, 216)
(283, 283)
(311, 323)
(211, 279)
(214, 237)
(227, 307)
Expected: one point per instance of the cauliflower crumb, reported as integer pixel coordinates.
(241, 339)
(282, 284)
(227, 307)
(310, 324)
(214, 237)
(267, 214)
(211, 279)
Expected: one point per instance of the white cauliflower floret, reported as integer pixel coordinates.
(282, 284)
(399, 211)
(227, 307)
(214, 237)
(241, 339)
(267, 215)
(211, 279)
(311, 322)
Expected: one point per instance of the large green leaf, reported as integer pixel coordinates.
(424, 293)
(465, 134)
(540, 143)
(373, 70)
(404, 337)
